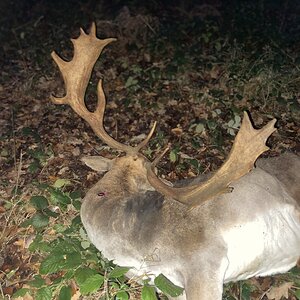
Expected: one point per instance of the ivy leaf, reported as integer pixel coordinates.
(167, 287)
(39, 202)
(148, 293)
(118, 272)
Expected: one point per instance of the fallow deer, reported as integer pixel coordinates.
(233, 225)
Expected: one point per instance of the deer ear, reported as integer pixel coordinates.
(98, 163)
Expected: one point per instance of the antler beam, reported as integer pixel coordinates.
(249, 144)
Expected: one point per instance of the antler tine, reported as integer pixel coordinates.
(159, 157)
(249, 144)
(76, 75)
(147, 139)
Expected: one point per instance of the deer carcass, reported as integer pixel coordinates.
(231, 226)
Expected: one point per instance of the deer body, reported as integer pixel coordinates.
(220, 240)
(230, 226)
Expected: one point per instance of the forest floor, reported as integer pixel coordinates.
(193, 68)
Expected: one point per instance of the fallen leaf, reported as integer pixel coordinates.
(277, 292)
(76, 296)
(20, 243)
(177, 131)
(8, 290)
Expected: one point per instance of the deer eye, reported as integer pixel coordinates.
(102, 194)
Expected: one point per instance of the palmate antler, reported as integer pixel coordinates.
(76, 74)
(248, 145)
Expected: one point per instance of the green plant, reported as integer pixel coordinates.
(66, 254)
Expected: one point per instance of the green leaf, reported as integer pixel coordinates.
(20, 293)
(85, 244)
(122, 295)
(76, 203)
(59, 183)
(130, 82)
(118, 272)
(92, 284)
(50, 213)
(39, 220)
(44, 293)
(34, 166)
(218, 46)
(59, 228)
(35, 242)
(65, 293)
(76, 195)
(82, 274)
(246, 290)
(73, 260)
(39, 244)
(212, 125)
(27, 131)
(297, 294)
(173, 156)
(66, 246)
(37, 282)
(26, 223)
(59, 197)
(52, 264)
(148, 293)
(167, 287)
(295, 271)
(76, 221)
(39, 202)
(199, 128)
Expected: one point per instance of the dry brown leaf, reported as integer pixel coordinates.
(215, 72)
(277, 292)
(76, 296)
(20, 243)
(177, 131)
